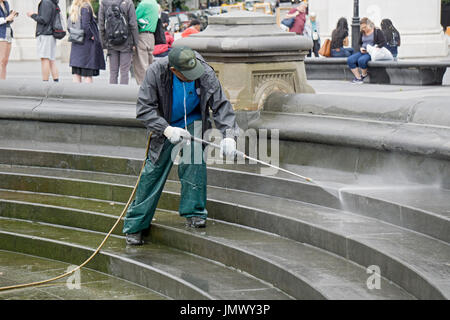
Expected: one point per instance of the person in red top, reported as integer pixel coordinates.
(194, 27)
(300, 18)
(162, 50)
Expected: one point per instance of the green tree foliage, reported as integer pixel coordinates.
(445, 2)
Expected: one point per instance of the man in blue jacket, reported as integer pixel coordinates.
(173, 103)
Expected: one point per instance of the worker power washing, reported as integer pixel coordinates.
(174, 98)
(176, 94)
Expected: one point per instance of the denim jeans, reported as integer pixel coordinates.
(342, 53)
(393, 50)
(358, 60)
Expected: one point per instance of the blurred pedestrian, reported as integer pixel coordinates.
(46, 43)
(119, 35)
(147, 14)
(392, 37)
(86, 59)
(6, 35)
(194, 27)
(164, 16)
(369, 36)
(299, 13)
(339, 40)
(313, 31)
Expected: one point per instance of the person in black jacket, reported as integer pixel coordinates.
(179, 97)
(369, 36)
(46, 43)
(392, 36)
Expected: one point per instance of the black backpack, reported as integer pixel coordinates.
(116, 26)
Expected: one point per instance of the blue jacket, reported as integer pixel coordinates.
(4, 15)
(89, 54)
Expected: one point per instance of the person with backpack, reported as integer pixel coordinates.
(147, 14)
(46, 42)
(119, 34)
(392, 37)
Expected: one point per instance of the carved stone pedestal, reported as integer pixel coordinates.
(252, 57)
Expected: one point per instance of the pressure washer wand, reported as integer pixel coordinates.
(240, 153)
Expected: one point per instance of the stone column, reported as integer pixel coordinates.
(418, 22)
(24, 44)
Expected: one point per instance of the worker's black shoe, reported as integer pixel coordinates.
(134, 239)
(196, 222)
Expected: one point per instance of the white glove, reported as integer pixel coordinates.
(175, 134)
(228, 147)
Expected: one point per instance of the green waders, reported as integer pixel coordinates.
(192, 175)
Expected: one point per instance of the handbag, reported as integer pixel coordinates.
(288, 22)
(325, 50)
(315, 36)
(76, 34)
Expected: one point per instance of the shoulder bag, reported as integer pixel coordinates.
(76, 34)
(325, 50)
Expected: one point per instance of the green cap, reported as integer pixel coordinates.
(183, 59)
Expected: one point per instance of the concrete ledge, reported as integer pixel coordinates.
(431, 111)
(380, 72)
(420, 127)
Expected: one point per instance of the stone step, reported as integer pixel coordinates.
(420, 280)
(17, 268)
(170, 272)
(418, 207)
(298, 269)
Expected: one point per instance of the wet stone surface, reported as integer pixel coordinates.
(16, 268)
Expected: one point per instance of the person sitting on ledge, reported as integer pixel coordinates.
(339, 40)
(369, 36)
(194, 27)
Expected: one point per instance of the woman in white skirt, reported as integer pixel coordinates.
(6, 35)
(46, 43)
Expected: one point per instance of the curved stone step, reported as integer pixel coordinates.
(403, 270)
(17, 268)
(421, 208)
(260, 254)
(362, 194)
(171, 272)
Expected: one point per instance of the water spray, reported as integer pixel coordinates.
(334, 193)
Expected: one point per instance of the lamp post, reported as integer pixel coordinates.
(355, 26)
